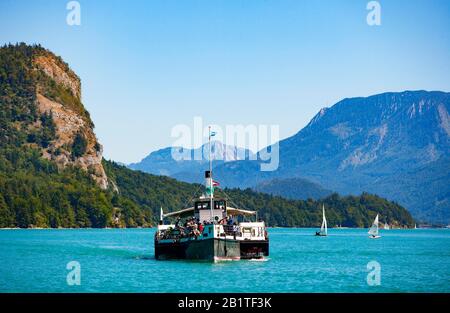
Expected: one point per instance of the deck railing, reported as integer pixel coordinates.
(228, 230)
(231, 230)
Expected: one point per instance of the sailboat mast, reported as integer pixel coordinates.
(211, 178)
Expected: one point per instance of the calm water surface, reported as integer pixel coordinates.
(116, 260)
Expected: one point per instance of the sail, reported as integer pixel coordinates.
(374, 228)
(324, 228)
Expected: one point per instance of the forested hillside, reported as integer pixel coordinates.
(52, 173)
(153, 192)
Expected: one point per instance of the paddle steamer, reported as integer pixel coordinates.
(211, 230)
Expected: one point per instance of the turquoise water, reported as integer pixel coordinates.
(115, 260)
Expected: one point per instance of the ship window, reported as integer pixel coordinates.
(202, 205)
(219, 205)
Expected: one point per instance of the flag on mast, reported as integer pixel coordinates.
(211, 185)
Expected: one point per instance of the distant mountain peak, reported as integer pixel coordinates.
(224, 152)
(318, 116)
(162, 162)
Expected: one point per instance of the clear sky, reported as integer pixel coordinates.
(147, 66)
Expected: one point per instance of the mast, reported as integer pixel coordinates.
(210, 178)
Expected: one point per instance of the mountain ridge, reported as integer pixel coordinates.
(394, 144)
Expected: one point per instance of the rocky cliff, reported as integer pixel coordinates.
(71, 121)
(61, 127)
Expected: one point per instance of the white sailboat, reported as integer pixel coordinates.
(386, 226)
(373, 231)
(324, 227)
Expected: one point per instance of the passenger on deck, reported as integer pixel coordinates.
(195, 230)
(235, 227)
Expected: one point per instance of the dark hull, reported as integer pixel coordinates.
(211, 249)
(251, 249)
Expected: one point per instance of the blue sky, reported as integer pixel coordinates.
(147, 66)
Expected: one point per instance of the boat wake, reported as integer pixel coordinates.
(225, 259)
(259, 260)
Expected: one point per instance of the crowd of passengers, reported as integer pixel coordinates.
(192, 227)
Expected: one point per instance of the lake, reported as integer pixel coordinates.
(122, 260)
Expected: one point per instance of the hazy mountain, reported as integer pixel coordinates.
(162, 162)
(393, 144)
